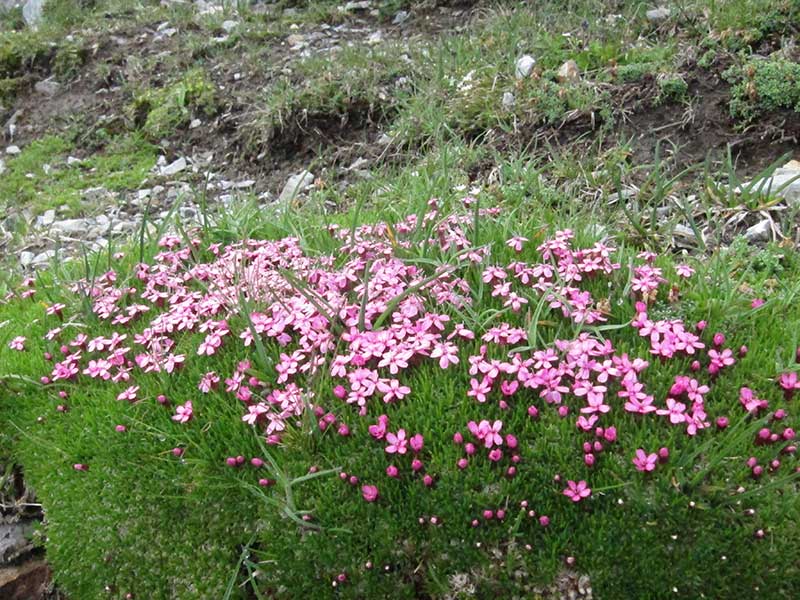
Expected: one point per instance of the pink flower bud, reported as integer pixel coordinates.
(743, 350)
(416, 465)
(177, 451)
(663, 455)
(353, 480)
(369, 493)
(511, 472)
(587, 447)
(462, 463)
(231, 461)
(121, 428)
(752, 462)
(63, 395)
(533, 412)
(610, 435)
(488, 514)
(701, 325)
(779, 415)
(495, 454)
(343, 430)
(501, 514)
(265, 482)
(563, 411)
(469, 448)
(256, 462)
(427, 480)
(416, 442)
(515, 458)
(80, 467)
(343, 476)
(719, 339)
(511, 441)
(544, 520)
(339, 391)
(240, 460)
(597, 446)
(788, 434)
(589, 459)
(458, 438)
(758, 470)
(161, 399)
(695, 366)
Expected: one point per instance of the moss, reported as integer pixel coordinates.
(160, 112)
(634, 72)
(672, 87)
(40, 178)
(764, 86)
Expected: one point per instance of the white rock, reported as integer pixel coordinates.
(243, 185)
(174, 167)
(48, 218)
(569, 71)
(375, 37)
(362, 5)
(32, 12)
(785, 182)
(760, 232)
(71, 160)
(47, 87)
(296, 185)
(71, 226)
(508, 100)
(229, 25)
(524, 66)
(195, 124)
(2, 166)
(385, 139)
(26, 258)
(43, 258)
(656, 15)
(401, 17)
(12, 150)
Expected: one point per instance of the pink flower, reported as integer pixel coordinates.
(369, 492)
(18, 343)
(577, 491)
(516, 242)
(378, 431)
(397, 442)
(416, 442)
(183, 413)
(645, 462)
(675, 411)
(129, 394)
(684, 270)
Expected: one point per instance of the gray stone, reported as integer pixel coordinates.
(47, 87)
(174, 167)
(785, 182)
(375, 37)
(26, 258)
(569, 71)
(760, 232)
(48, 218)
(71, 225)
(2, 166)
(295, 185)
(229, 25)
(508, 100)
(13, 150)
(401, 17)
(43, 258)
(658, 14)
(353, 6)
(71, 160)
(524, 66)
(32, 12)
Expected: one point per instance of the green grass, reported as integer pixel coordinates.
(40, 178)
(116, 524)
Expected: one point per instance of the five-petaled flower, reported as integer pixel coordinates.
(577, 491)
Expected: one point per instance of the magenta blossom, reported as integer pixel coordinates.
(577, 491)
(397, 442)
(645, 462)
(183, 413)
(369, 492)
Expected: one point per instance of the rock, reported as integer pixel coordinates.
(784, 182)
(26, 258)
(71, 160)
(384, 140)
(401, 17)
(13, 150)
(295, 185)
(28, 581)
(508, 100)
(243, 185)
(195, 124)
(43, 258)
(47, 87)
(524, 66)
(71, 225)
(32, 12)
(174, 167)
(569, 71)
(375, 38)
(760, 232)
(296, 41)
(658, 14)
(354, 6)
(2, 166)
(229, 25)
(47, 219)
(14, 540)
